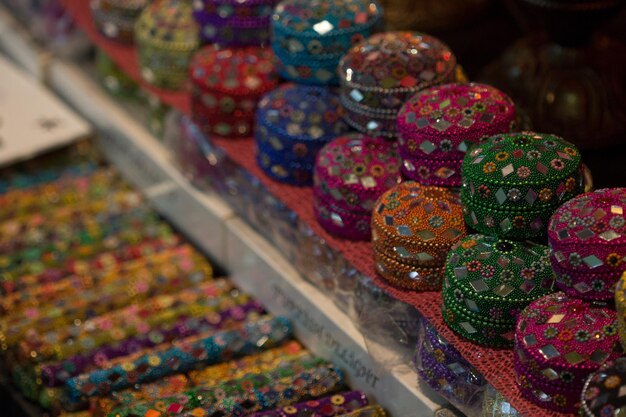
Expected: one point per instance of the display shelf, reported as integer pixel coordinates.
(255, 265)
(359, 255)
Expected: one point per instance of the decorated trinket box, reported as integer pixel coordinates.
(413, 228)
(227, 83)
(586, 235)
(166, 37)
(351, 172)
(116, 19)
(513, 183)
(603, 391)
(234, 22)
(488, 282)
(293, 123)
(438, 125)
(381, 73)
(559, 341)
(310, 36)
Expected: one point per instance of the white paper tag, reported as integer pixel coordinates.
(32, 120)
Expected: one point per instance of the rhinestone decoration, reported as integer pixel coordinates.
(497, 278)
(301, 120)
(116, 19)
(166, 37)
(227, 84)
(386, 70)
(234, 23)
(440, 122)
(604, 393)
(513, 183)
(586, 235)
(350, 173)
(425, 222)
(570, 339)
(310, 36)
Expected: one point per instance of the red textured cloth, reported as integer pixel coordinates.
(496, 365)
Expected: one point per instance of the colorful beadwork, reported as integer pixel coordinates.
(586, 235)
(309, 37)
(488, 282)
(513, 183)
(166, 37)
(413, 228)
(559, 341)
(212, 375)
(334, 405)
(227, 83)
(381, 73)
(182, 356)
(351, 172)
(293, 123)
(603, 393)
(234, 22)
(252, 393)
(439, 124)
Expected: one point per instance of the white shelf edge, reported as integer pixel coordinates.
(20, 47)
(259, 269)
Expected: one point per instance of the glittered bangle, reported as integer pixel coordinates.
(369, 411)
(308, 384)
(118, 325)
(183, 356)
(406, 276)
(166, 37)
(588, 244)
(227, 84)
(513, 183)
(212, 375)
(293, 124)
(73, 285)
(224, 314)
(182, 271)
(309, 38)
(559, 341)
(380, 74)
(11, 283)
(39, 258)
(44, 198)
(437, 126)
(334, 405)
(206, 396)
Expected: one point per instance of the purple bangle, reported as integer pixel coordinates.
(324, 407)
(56, 373)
